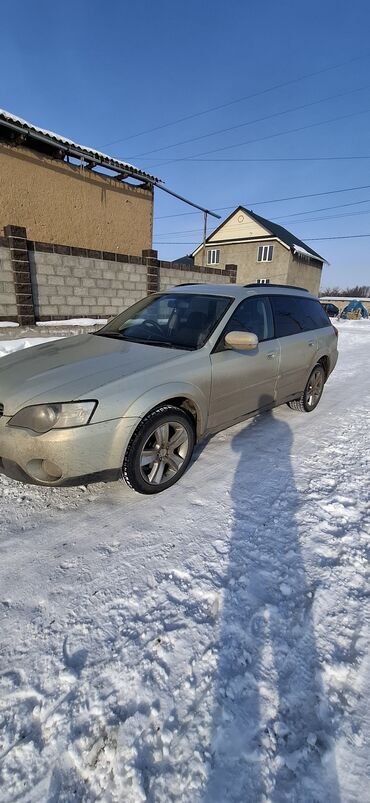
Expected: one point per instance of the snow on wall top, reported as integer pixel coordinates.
(57, 138)
(344, 298)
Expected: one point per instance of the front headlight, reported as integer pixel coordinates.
(44, 417)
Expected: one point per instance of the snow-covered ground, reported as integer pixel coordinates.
(209, 644)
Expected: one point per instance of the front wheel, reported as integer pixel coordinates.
(160, 450)
(312, 392)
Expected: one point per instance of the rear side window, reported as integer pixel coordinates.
(319, 314)
(294, 314)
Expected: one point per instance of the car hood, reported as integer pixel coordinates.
(63, 370)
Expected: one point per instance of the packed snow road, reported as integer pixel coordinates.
(208, 645)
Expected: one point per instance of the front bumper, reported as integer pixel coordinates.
(65, 456)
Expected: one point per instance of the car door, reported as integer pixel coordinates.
(297, 334)
(244, 381)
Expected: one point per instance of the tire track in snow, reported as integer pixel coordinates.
(126, 711)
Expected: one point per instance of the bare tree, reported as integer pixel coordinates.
(331, 291)
(359, 291)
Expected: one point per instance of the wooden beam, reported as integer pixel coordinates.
(120, 176)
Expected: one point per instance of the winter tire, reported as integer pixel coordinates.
(160, 450)
(312, 392)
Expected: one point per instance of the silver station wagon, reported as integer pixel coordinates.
(133, 398)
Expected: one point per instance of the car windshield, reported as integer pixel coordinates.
(172, 320)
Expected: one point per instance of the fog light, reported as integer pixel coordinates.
(52, 469)
(44, 470)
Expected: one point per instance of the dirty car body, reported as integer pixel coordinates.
(77, 408)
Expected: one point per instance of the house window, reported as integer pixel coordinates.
(264, 253)
(213, 256)
(263, 281)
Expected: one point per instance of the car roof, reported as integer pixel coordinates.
(240, 291)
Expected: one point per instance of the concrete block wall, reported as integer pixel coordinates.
(69, 286)
(8, 303)
(46, 281)
(168, 277)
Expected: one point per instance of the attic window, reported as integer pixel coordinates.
(213, 256)
(265, 253)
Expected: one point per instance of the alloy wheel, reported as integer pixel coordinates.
(314, 388)
(164, 452)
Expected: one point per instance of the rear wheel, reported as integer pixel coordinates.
(312, 392)
(160, 450)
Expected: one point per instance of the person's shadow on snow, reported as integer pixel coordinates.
(269, 738)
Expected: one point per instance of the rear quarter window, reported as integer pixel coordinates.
(319, 314)
(295, 314)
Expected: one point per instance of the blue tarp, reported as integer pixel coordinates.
(355, 306)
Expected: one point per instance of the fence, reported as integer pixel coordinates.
(46, 281)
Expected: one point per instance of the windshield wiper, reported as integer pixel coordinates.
(165, 343)
(109, 334)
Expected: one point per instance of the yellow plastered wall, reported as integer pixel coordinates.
(240, 226)
(62, 203)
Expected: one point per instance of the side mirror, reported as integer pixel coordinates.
(241, 341)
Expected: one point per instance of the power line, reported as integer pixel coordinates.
(326, 208)
(176, 242)
(281, 159)
(309, 239)
(182, 231)
(282, 220)
(337, 237)
(250, 122)
(274, 201)
(332, 217)
(262, 139)
(210, 109)
(287, 217)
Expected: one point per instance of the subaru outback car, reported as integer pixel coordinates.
(133, 398)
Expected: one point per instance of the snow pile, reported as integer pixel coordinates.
(75, 322)
(352, 323)
(4, 324)
(7, 346)
(208, 645)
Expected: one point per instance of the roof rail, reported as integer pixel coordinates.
(186, 284)
(270, 284)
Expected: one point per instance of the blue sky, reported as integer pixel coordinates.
(102, 73)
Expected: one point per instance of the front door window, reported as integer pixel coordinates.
(252, 315)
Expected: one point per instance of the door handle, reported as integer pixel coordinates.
(271, 355)
(312, 343)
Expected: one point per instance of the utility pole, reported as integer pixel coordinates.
(204, 238)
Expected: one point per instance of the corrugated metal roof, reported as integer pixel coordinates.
(115, 164)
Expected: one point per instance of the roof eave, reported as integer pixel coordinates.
(256, 239)
(258, 219)
(74, 149)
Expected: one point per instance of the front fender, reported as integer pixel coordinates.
(162, 393)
